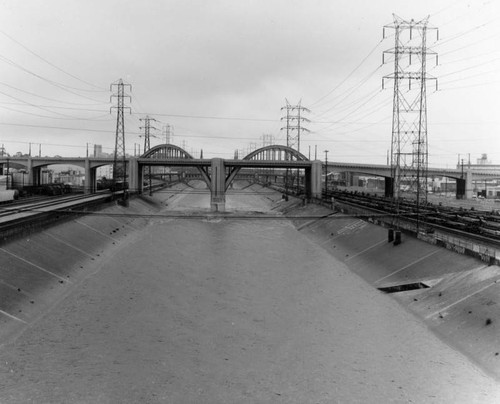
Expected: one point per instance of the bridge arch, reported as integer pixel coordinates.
(276, 152)
(166, 151)
(272, 152)
(169, 151)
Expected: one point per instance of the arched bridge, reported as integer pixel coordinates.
(220, 173)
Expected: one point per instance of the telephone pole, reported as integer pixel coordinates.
(409, 147)
(119, 161)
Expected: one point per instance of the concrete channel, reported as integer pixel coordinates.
(58, 266)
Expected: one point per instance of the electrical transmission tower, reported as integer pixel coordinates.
(294, 119)
(409, 147)
(147, 145)
(147, 132)
(267, 140)
(120, 162)
(168, 133)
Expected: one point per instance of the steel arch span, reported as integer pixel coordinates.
(276, 152)
(267, 153)
(173, 152)
(166, 151)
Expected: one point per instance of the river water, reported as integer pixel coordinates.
(221, 310)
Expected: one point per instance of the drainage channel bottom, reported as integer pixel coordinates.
(404, 288)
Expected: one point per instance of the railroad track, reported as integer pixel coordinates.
(41, 203)
(477, 225)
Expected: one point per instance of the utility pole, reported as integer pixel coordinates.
(119, 160)
(326, 174)
(409, 148)
(147, 145)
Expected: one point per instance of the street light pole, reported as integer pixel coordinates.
(326, 174)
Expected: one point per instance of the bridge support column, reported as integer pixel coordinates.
(31, 177)
(315, 178)
(90, 178)
(218, 186)
(464, 186)
(34, 174)
(134, 176)
(469, 190)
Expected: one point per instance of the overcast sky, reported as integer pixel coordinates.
(219, 73)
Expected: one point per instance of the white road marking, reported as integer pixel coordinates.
(13, 317)
(120, 223)
(460, 300)
(407, 266)
(315, 222)
(97, 231)
(34, 265)
(358, 224)
(67, 244)
(366, 249)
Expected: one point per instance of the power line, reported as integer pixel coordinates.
(350, 74)
(53, 65)
(52, 82)
(225, 118)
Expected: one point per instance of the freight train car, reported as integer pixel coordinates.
(8, 195)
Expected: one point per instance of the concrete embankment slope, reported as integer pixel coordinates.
(457, 296)
(39, 269)
(169, 314)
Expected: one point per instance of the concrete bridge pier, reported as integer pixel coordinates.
(218, 186)
(465, 186)
(90, 178)
(314, 179)
(34, 174)
(469, 188)
(135, 175)
(31, 180)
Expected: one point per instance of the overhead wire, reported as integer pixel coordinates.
(51, 82)
(53, 65)
(349, 75)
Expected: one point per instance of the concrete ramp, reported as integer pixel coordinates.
(463, 308)
(455, 295)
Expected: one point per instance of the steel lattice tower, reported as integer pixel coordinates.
(409, 147)
(168, 133)
(119, 162)
(294, 128)
(147, 132)
(147, 145)
(294, 120)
